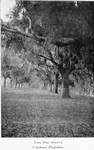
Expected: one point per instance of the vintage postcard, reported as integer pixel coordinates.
(47, 75)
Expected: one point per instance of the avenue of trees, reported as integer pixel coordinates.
(55, 38)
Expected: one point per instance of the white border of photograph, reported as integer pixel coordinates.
(39, 143)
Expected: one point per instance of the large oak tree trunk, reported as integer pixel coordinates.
(56, 83)
(65, 86)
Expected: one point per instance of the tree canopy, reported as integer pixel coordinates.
(60, 32)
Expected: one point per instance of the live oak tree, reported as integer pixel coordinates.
(64, 27)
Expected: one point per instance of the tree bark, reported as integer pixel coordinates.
(56, 83)
(4, 82)
(65, 86)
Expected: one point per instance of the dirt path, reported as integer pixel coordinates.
(38, 113)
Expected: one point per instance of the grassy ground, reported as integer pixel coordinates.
(37, 113)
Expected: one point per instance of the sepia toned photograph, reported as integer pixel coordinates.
(47, 69)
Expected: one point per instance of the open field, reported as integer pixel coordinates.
(37, 113)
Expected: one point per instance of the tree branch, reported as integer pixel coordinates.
(60, 43)
(13, 30)
(45, 57)
(82, 69)
(63, 42)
